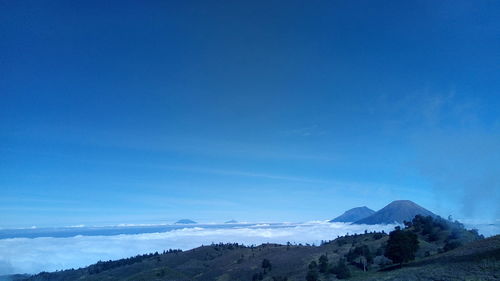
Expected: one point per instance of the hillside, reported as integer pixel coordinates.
(478, 260)
(396, 212)
(354, 214)
(447, 252)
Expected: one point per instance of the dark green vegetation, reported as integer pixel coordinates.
(354, 214)
(401, 246)
(443, 250)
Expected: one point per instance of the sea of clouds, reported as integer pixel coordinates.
(32, 255)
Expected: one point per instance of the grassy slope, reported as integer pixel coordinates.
(478, 260)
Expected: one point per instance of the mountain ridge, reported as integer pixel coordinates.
(354, 214)
(396, 212)
(185, 221)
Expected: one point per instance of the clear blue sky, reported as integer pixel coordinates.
(152, 111)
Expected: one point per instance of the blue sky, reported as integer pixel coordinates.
(152, 111)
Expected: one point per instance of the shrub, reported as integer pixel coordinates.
(312, 275)
(450, 245)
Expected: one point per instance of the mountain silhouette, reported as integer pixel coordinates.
(354, 214)
(396, 212)
(185, 221)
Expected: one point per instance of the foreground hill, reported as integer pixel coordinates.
(478, 260)
(447, 252)
(396, 212)
(354, 214)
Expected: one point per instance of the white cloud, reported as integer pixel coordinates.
(32, 255)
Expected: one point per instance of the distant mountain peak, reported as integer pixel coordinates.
(185, 221)
(396, 212)
(354, 214)
(232, 221)
(403, 202)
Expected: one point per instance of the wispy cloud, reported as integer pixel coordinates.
(229, 148)
(246, 174)
(307, 131)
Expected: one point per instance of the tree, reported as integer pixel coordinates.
(312, 273)
(266, 264)
(323, 264)
(341, 270)
(360, 256)
(378, 236)
(401, 246)
(363, 262)
(313, 265)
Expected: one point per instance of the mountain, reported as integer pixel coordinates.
(232, 221)
(354, 214)
(14, 277)
(396, 212)
(185, 221)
